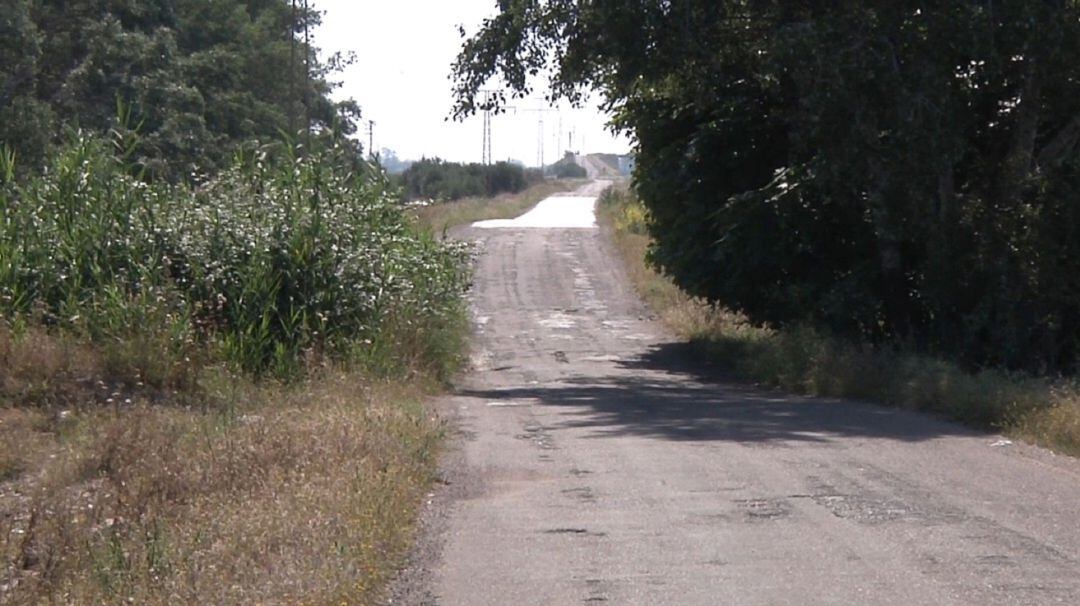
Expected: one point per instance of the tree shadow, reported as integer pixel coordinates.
(665, 393)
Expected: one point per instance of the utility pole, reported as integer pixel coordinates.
(292, 72)
(540, 135)
(485, 153)
(559, 138)
(540, 144)
(307, 75)
(371, 139)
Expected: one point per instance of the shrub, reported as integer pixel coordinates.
(274, 262)
(568, 168)
(445, 181)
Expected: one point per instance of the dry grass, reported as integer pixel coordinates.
(442, 216)
(803, 360)
(232, 492)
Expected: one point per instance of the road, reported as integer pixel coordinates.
(597, 463)
(595, 168)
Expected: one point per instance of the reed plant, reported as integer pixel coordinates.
(279, 261)
(214, 392)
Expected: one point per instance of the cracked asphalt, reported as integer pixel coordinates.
(596, 461)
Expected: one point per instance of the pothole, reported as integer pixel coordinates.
(764, 509)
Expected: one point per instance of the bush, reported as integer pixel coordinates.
(436, 179)
(568, 168)
(276, 261)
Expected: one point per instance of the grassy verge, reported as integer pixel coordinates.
(214, 394)
(805, 361)
(441, 216)
(231, 492)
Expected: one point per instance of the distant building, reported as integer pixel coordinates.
(626, 165)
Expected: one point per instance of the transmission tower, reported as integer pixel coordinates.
(540, 143)
(558, 139)
(485, 154)
(540, 155)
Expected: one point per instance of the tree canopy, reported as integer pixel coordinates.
(895, 171)
(197, 78)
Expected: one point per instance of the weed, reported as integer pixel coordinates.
(211, 394)
(275, 262)
(305, 493)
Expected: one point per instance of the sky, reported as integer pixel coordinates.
(404, 49)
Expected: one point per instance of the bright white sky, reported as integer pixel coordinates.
(404, 49)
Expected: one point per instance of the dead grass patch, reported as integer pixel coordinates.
(802, 360)
(237, 492)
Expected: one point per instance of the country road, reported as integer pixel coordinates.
(596, 463)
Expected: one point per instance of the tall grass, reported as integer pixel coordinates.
(804, 360)
(213, 393)
(274, 263)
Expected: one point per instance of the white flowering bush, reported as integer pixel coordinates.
(273, 262)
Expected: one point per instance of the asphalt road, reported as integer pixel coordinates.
(598, 463)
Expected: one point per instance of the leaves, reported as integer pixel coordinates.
(889, 171)
(279, 259)
(201, 78)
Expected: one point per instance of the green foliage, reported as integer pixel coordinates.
(885, 171)
(201, 78)
(435, 179)
(628, 215)
(277, 261)
(803, 359)
(567, 168)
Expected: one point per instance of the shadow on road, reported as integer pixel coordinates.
(667, 396)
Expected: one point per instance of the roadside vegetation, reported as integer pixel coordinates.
(806, 360)
(435, 180)
(218, 326)
(213, 394)
(567, 168)
(905, 176)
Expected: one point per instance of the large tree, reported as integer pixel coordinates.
(888, 170)
(197, 78)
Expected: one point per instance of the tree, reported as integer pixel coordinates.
(892, 171)
(198, 78)
(433, 178)
(567, 168)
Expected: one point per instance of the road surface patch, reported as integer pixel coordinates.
(556, 212)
